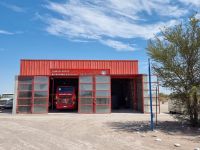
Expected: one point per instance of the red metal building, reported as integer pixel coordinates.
(102, 86)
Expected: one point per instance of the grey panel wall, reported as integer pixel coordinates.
(139, 93)
(32, 94)
(94, 94)
(155, 97)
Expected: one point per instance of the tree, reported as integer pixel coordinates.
(176, 60)
(163, 97)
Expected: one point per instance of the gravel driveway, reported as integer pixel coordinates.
(116, 131)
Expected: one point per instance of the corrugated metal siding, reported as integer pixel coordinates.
(42, 67)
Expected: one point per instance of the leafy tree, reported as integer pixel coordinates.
(163, 97)
(176, 58)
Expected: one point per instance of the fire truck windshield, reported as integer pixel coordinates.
(65, 89)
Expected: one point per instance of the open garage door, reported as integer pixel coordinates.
(86, 94)
(94, 94)
(33, 94)
(102, 94)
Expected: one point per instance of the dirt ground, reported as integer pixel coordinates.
(116, 131)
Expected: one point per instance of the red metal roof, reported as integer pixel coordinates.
(44, 67)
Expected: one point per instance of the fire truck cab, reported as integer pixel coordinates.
(65, 98)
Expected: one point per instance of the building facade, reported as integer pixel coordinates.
(102, 86)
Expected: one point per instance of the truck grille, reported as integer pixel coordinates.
(69, 102)
(3, 102)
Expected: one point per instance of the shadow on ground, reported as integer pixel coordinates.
(169, 127)
(125, 111)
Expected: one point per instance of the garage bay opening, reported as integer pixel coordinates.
(63, 95)
(122, 92)
(126, 95)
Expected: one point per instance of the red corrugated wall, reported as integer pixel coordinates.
(43, 67)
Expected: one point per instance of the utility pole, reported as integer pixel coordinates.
(150, 92)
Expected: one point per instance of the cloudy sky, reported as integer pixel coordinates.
(82, 29)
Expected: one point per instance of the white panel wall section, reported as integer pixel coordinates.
(15, 96)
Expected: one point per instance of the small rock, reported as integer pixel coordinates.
(158, 140)
(138, 132)
(142, 135)
(171, 133)
(154, 135)
(155, 131)
(196, 148)
(137, 129)
(177, 145)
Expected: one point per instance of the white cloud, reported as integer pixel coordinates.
(92, 26)
(6, 32)
(197, 16)
(13, 7)
(163, 8)
(111, 19)
(119, 46)
(195, 3)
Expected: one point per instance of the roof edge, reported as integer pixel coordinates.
(77, 60)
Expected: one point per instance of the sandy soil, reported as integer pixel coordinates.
(117, 131)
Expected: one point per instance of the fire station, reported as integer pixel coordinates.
(99, 86)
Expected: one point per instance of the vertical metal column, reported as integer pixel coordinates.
(135, 92)
(156, 105)
(142, 93)
(150, 96)
(33, 94)
(94, 93)
(15, 96)
(52, 94)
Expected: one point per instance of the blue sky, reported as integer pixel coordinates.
(82, 29)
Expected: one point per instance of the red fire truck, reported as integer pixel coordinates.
(65, 97)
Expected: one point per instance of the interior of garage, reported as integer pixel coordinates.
(56, 82)
(126, 95)
(122, 92)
